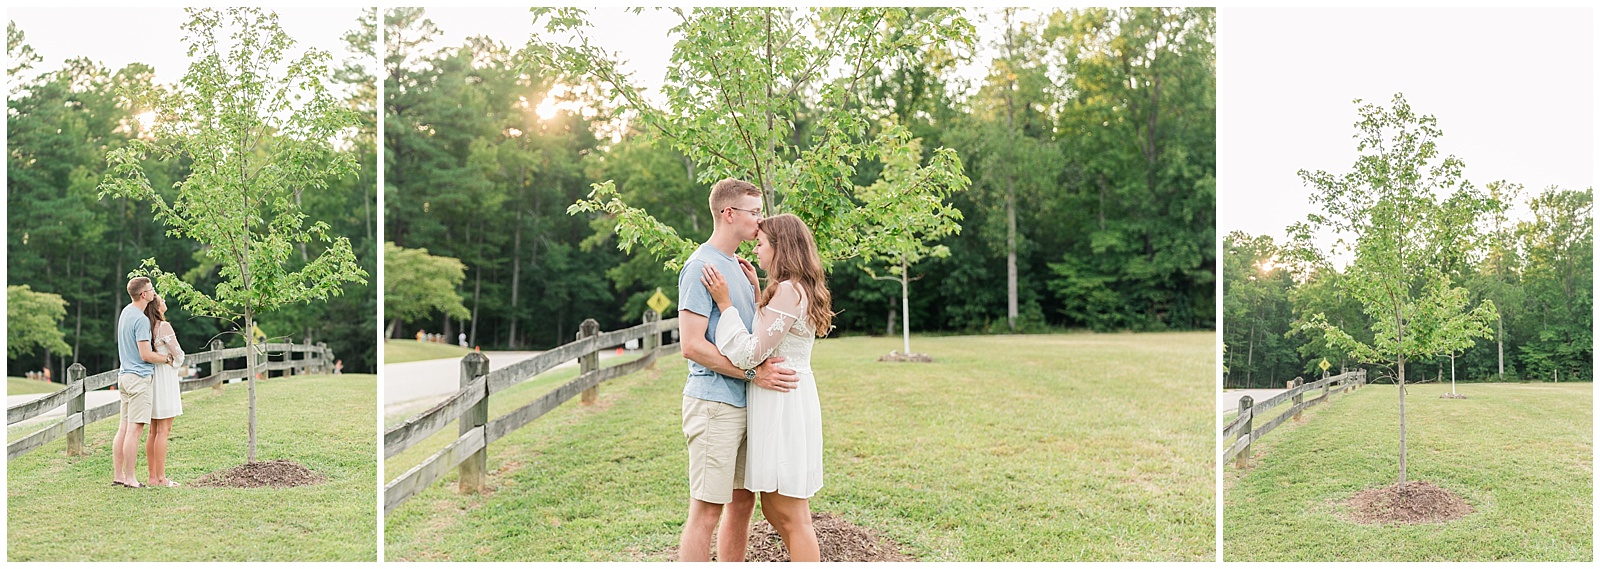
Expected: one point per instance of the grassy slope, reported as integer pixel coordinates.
(63, 508)
(1061, 447)
(24, 386)
(1521, 454)
(401, 351)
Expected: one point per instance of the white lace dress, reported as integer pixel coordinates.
(165, 401)
(785, 428)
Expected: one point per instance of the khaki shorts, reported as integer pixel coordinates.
(136, 396)
(716, 449)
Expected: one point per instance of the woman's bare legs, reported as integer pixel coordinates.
(792, 518)
(155, 451)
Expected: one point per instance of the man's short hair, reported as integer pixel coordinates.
(137, 285)
(726, 192)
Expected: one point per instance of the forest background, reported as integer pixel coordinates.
(62, 240)
(1102, 130)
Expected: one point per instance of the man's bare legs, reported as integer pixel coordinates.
(155, 451)
(733, 536)
(695, 544)
(792, 518)
(116, 452)
(129, 447)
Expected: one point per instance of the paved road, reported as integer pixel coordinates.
(415, 386)
(95, 399)
(1229, 400)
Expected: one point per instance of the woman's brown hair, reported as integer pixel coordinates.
(153, 312)
(794, 258)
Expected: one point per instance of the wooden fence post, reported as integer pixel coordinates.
(75, 375)
(590, 361)
(473, 366)
(652, 341)
(216, 365)
(1325, 391)
(324, 358)
(1298, 396)
(1244, 431)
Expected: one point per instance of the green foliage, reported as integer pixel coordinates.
(255, 141)
(1389, 203)
(417, 284)
(33, 321)
(1137, 127)
(738, 84)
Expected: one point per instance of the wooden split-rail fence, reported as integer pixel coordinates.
(468, 453)
(293, 359)
(1242, 428)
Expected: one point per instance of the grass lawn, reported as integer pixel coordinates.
(24, 386)
(401, 351)
(1520, 454)
(64, 508)
(1049, 447)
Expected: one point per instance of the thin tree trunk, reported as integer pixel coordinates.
(1402, 382)
(250, 379)
(516, 273)
(1011, 255)
(905, 304)
(477, 294)
(1499, 323)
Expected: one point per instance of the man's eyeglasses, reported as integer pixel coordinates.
(755, 212)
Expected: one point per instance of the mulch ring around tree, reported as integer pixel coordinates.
(266, 474)
(1414, 502)
(838, 539)
(1452, 396)
(896, 356)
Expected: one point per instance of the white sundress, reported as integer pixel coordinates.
(165, 399)
(784, 428)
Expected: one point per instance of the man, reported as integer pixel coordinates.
(713, 397)
(133, 381)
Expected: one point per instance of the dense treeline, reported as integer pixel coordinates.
(1537, 271)
(1090, 147)
(61, 238)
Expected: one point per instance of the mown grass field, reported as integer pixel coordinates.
(24, 386)
(401, 351)
(1057, 447)
(63, 508)
(1520, 454)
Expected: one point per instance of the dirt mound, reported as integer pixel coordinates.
(1414, 502)
(1452, 396)
(839, 540)
(267, 474)
(896, 356)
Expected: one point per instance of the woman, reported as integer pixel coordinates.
(783, 461)
(165, 400)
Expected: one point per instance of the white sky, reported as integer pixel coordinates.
(115, 37)
(1512, 89)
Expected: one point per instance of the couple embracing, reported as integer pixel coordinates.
(750, 408)
(148, 384)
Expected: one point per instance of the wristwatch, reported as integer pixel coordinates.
(750, 374)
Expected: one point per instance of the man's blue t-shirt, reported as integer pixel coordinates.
(133, 326)
(693, 297)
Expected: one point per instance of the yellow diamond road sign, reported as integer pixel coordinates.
(1324, 364)
(659, 302)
